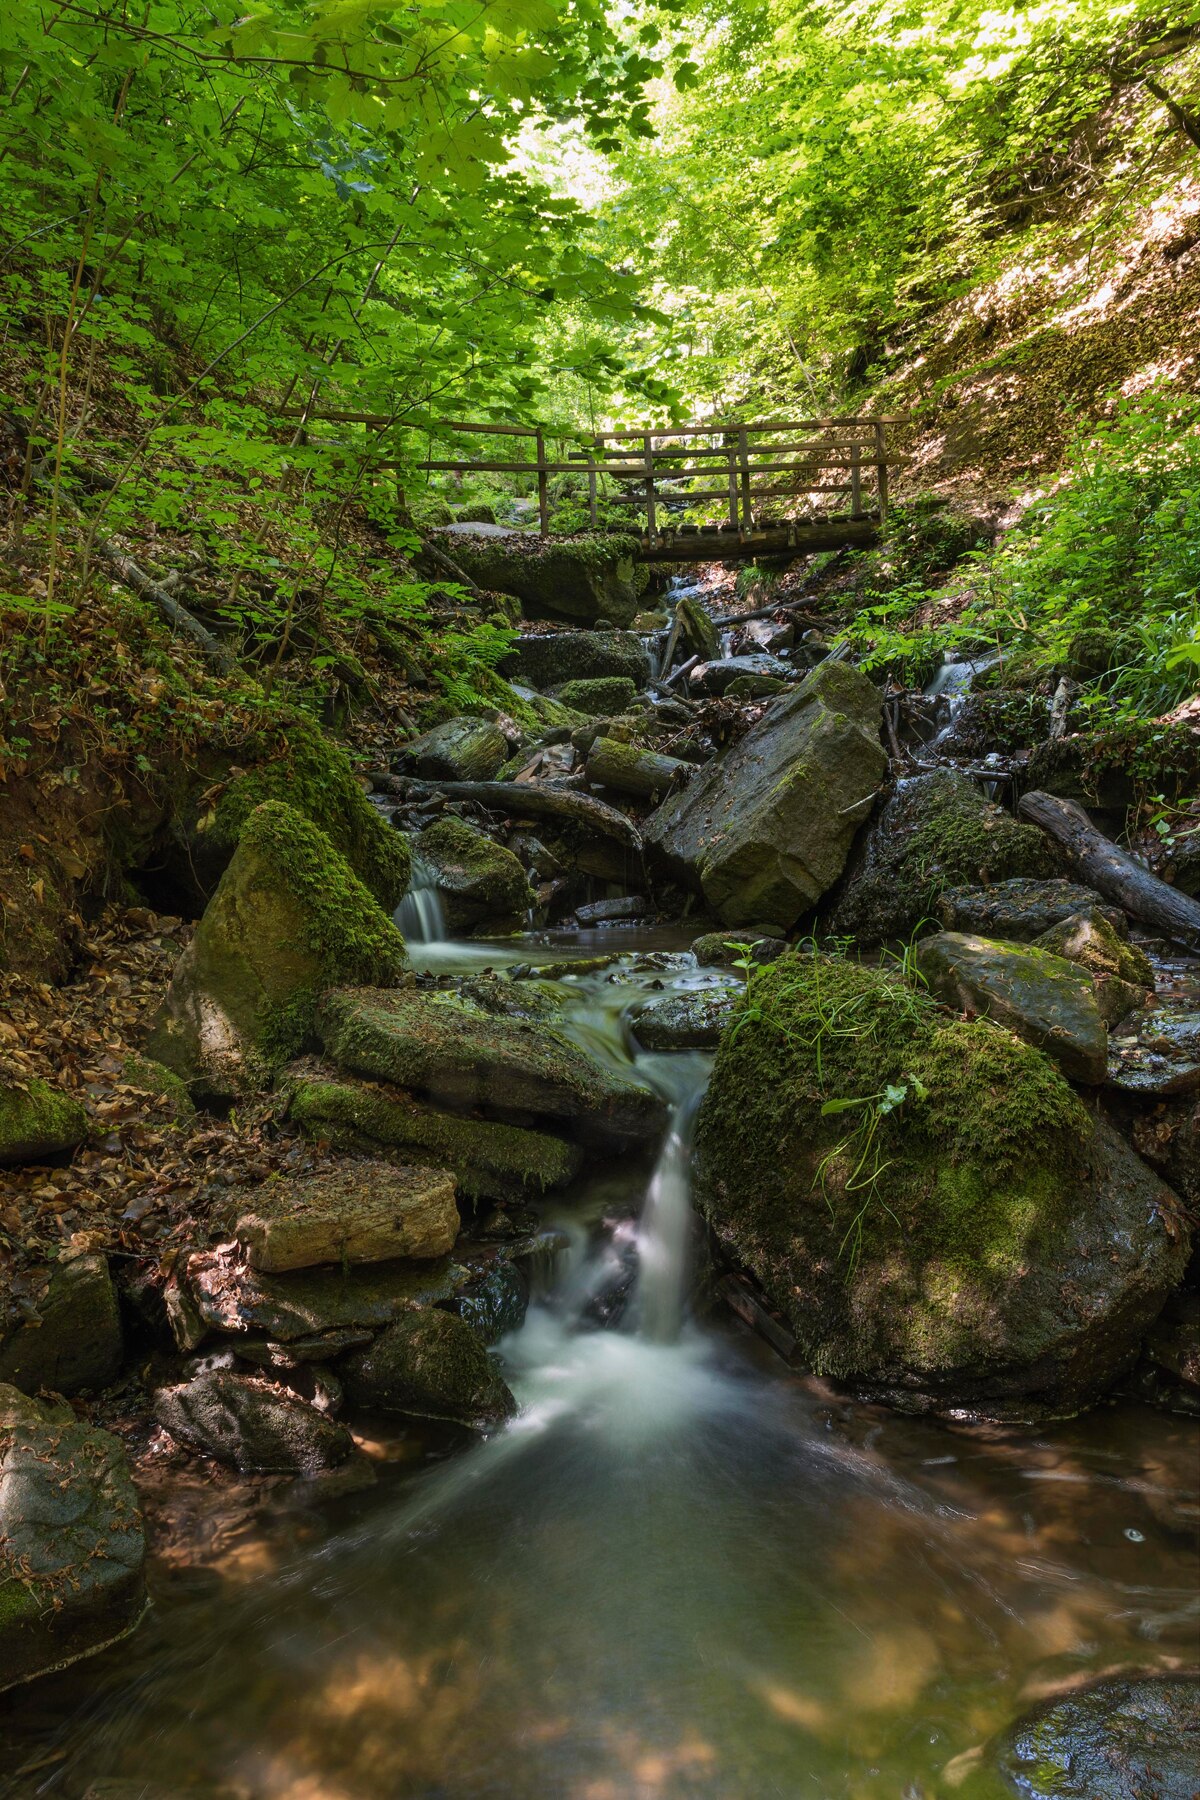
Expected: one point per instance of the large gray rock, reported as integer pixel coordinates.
(1021, 909)
(1045, 999)
(1131, 1737)
(71, 1544)
(38, 1121)
(718, 677)
(583, 578)
(457, 750)
(251, 1424)
(764, 831)
(684, 1021)
(925, 1200)
(289, 919)
(441, 1045)
(431, 1365)
(73, 1342)
(482, 885)
(552, 658)
(361, 1212)
(935, 832)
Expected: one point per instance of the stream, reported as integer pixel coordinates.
(684, 1572)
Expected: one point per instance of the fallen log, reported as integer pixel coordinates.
(627, 770)
(1114, 874)
(530, 800)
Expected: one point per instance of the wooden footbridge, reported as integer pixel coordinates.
(690, 492)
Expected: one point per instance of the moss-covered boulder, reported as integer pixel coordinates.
(460, 749)
(357, 1212)
(683, 1021)
(725, 949)
(1022, 909)
(1122, 974)
(936, 832)
(585, 578)
(447, 1049)
(600, 697)
(252, 1424)
(72, 1342)
(72, 1549)
(294, 761)
(166, 1091)
(38, 1121)
(550, 659)
(430, 1365)
(490, 1160)
(288, 920)
(481, 884)
(1043, 998)
(697, 629)
(925, 1199)
(764, 831)
(1130, 1737)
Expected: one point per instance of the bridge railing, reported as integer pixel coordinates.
(655, 472)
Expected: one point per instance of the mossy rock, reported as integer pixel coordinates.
(585, 578)
(722, 949)
(490, 1160)
(73, 1343)
(552, 658)
(1129, 1737)
(924, 1198)
(482, 885)
(38, 1121)
(313, 775)
(167, 1087)
(1122, 973)
(697, 629)
(430, 1365)
(936, 832)
(600, 697)
(288, 920)
(461, 749)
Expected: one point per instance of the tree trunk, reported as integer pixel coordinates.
(628, 770)
(520, 799)
(1098, 862)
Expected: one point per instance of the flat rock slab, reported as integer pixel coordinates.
(74, 1342)
(222, 1294)
(1133, 1739)
(1156, 1054)
(354, 1213)
(548, 659)
(251, 1424)
(430, 1365)
(460, 1055)
(765, 830)
(72, 1549)
(1021, 909)
(1043, 998)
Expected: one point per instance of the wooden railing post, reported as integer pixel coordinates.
(543, 482)
(592, 488)
(881, 472)
(731, 452)
(855, 483)
(648, 451)
(744, 459)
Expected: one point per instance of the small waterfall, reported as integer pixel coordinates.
(665, 1229)
(420, 915)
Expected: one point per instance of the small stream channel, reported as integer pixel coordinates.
(683, 1573)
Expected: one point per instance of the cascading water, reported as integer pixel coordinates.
(679, 1574)
(420, 914)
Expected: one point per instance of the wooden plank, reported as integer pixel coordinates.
(718, 428)
(686, 500)
(543, 485)
(385, 421)
(649, 486)
(798, 538)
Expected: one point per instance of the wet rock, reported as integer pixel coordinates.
(718, 677)
(490, 1160)
(722, 949)
(599, 698)
(1121, 973)
(560, 656)
(456, 750)
(430, 1365)
(1156, 1054)
(356, 1213)
(1168, 1137)
(607, 912)
(1045, 999)
(1127, 1738)
(457, 1054)
(765, 830)
(251, 1424)
(482, 885)
(72, 1549)
(224, 1295)
(683, 1021)
(494, 1303)
(696, 628)
(769, 634)
(74, 1341)
(926, 1202)
(288, 920)
(1174, 1343)
(37, 1122)
(1021, 909)
(589, 578)
(755, 687)
(936, 832)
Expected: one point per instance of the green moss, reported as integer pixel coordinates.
(604, 695)
(491, 1160)
(940, 1196)
(481, 883)
(303, 767)
(37, 1121)
(154, 1078)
